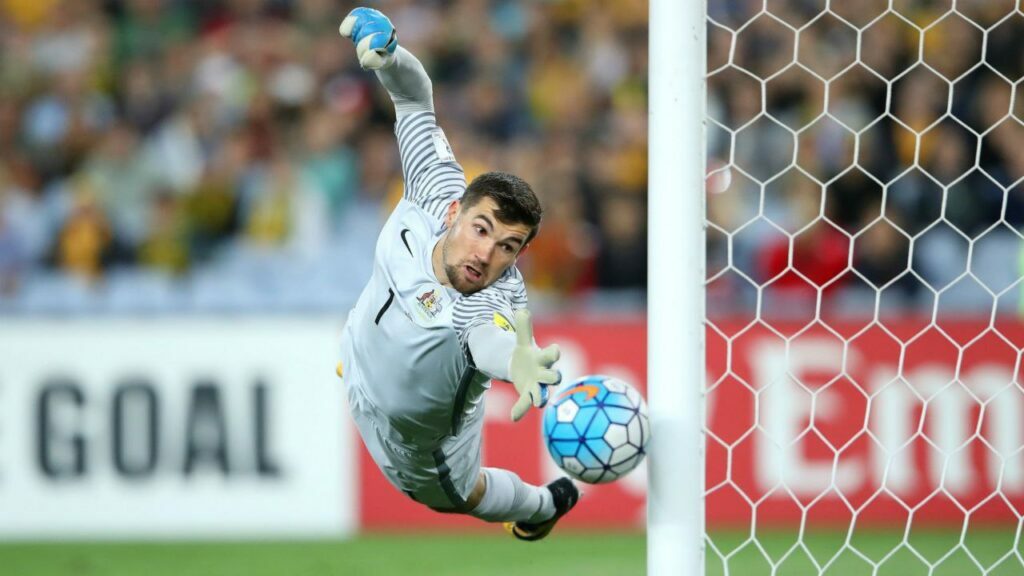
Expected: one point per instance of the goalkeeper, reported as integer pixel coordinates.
(443, 313)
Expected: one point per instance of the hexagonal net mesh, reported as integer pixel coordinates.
(865, 201)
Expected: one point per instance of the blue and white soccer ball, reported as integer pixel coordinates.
(596, 429)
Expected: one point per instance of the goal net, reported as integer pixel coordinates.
(865, 412)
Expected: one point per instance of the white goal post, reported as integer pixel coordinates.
(675, 506)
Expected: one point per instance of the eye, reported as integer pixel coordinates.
(508, 248)
(480, 231)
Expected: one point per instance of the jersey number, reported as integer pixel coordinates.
(384, 308)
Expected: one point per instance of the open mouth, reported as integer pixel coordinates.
(473, 274)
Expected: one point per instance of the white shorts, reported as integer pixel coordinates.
(441, 478)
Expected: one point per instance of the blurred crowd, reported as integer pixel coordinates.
(230, 155)
(876, 156)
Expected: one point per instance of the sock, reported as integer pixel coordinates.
(509, 499)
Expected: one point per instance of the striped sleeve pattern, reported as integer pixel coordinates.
(432, 181)
(504, 297)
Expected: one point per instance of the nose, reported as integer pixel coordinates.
(484, 252)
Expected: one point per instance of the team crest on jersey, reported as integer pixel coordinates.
(503, 323)
(430, 303)
(441, 146)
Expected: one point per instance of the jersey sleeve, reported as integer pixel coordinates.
(495, 304)
(433, 179)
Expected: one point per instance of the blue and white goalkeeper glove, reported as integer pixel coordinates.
(530, 368)
(374, 36)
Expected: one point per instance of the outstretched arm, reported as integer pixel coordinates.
(407, 83)
(494, 327)
(432, 176)
(397, 69)
(517, 359)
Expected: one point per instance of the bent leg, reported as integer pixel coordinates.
(490, 494)
(506, 498)
(450, 479)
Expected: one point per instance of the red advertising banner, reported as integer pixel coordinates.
(823, 422)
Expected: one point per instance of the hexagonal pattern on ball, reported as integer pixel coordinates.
(595, 429)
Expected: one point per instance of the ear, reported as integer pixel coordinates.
(453, 212)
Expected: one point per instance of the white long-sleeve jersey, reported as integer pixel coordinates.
(405, 345)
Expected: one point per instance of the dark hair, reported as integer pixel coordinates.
(517, 204)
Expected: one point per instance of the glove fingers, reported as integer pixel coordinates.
(550, 355)
(520, 407)
(379, 34)
(363, 23)
(357, 18)
(348, 25)
(371, 58)
(549, 376)
(544, 396)
(524, 328)
(536, 395)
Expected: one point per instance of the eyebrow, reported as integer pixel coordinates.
(490, 223)
(487, 219)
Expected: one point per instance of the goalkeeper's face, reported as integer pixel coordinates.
(478, 247)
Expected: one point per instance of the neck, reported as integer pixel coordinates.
(437, 261)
